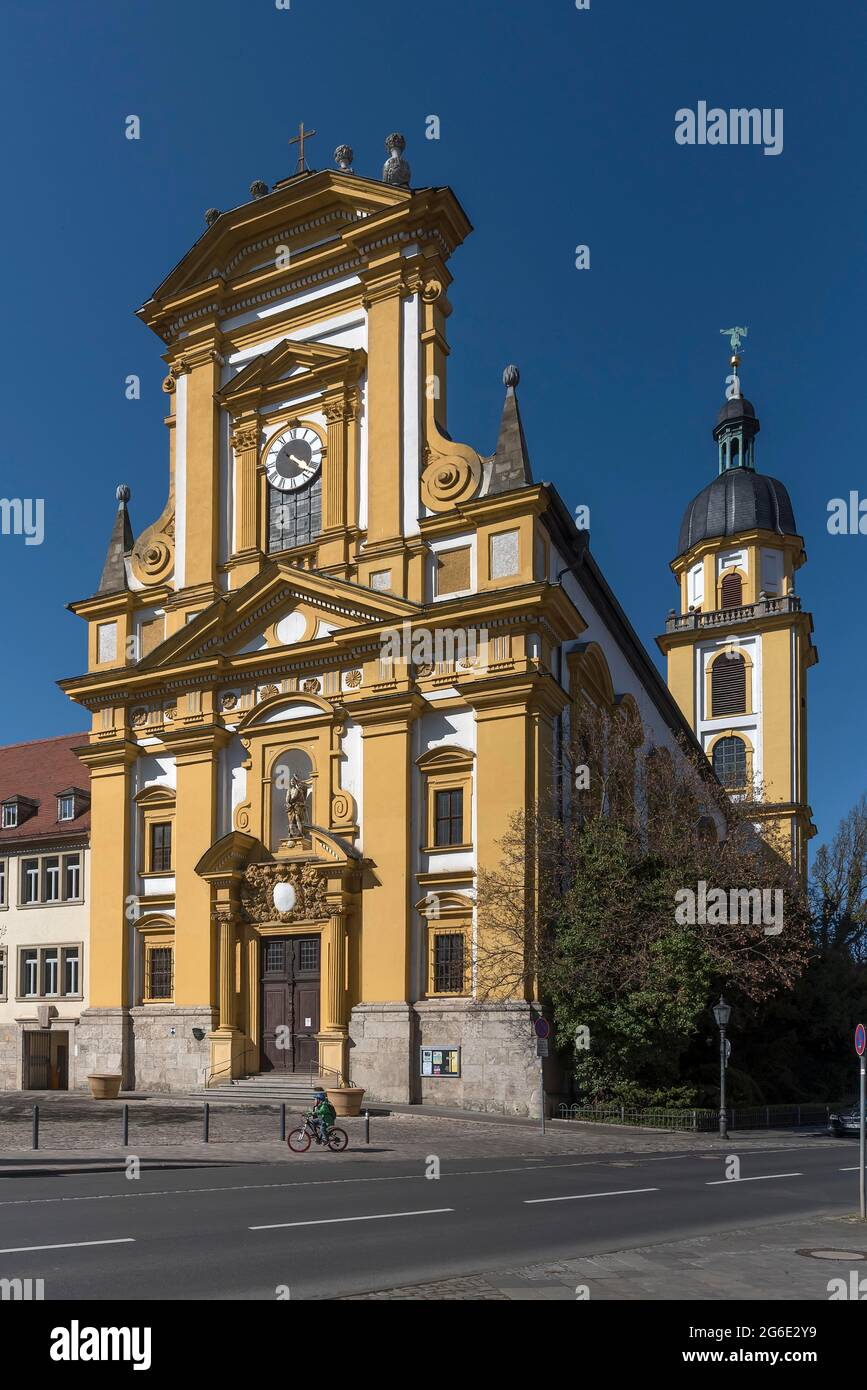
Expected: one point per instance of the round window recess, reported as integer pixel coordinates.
(291, 629)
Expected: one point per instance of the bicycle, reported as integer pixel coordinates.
(299, 1140)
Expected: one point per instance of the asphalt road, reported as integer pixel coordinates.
(245, 1231)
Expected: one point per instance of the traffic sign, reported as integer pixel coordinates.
(542, 1047)
(542, 1027)
(860, 1040)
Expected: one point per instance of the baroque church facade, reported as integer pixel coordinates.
(324, 679)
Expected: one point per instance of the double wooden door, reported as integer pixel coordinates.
(290, 1003)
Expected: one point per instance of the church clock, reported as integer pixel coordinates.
(293, 463)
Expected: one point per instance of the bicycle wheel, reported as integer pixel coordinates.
(337, 1140)
(299, 1141)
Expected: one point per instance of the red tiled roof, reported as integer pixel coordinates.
(38, 771)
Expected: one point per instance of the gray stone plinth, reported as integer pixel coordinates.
(381, 1051)
(167, 1055)
(104, 1042)
(499, 1066)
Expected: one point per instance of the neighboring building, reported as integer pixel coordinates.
(324, 679)
(740, 647)
(44, 907)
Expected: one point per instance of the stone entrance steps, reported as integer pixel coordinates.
(269, 1086)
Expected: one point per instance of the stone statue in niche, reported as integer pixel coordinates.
(296, 808)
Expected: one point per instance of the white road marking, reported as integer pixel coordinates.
(583, 1196)
(341, 1220)
(68, 1245)
(763, 1177)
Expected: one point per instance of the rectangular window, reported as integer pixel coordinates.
(2, 882)
(161, 847)
(51, 973)
(30, 881)
(72, 876)
(449, 828)
(10, 817)
(30, 974)
(66, 808)
(2, 972)
(448, 963)
(51, 880)
(71, 970)
(160, 972)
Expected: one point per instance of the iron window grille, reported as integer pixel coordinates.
(449, 962)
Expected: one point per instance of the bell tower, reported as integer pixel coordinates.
(739, 643)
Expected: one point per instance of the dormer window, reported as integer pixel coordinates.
(16, 810)
(71, 802)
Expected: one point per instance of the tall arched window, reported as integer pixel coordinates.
(731, 591)
(728, 685)
(730, 761)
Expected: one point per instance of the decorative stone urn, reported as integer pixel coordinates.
(346, 1100)
(105, 1085)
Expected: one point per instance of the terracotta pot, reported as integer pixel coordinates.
(346, 1100)
(105, 1085)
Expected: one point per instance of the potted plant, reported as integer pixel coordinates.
(346, 1099)
(105, 1085)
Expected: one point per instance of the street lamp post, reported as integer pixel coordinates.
(722, 1013)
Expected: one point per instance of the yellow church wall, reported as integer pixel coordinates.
(195, 824)
(110, 886)
(777, 710)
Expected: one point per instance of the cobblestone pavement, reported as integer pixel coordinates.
(771, 1262)
(76, 1126)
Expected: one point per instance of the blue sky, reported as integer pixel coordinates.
(557, 129)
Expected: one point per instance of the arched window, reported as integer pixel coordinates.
(730, 761)
(728, 685)
(731, 591)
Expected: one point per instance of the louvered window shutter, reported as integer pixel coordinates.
(732, 591)
(728, 686)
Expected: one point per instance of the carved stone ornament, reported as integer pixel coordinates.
(448, 480)
(354, 679)
(424, 669)
(245, 437)
(431, 291)
(139, 718)
(229, 700)
(341, 807)
(311, 686)
(267, 691)
(257, 893)
(396, 170)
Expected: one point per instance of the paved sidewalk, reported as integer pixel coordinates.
(754, 1264)
(76, 1130)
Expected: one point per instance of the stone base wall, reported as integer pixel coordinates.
(153, 1048)
(499, 1066)
(167, 1056)
(381, 1053)
(10, 1048)
(104, 1042)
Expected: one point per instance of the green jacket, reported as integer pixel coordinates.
(325, 1111)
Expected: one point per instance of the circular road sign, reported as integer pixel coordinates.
(542, 1027)
(860, 1040)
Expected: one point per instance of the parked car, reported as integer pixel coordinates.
(845, 1121)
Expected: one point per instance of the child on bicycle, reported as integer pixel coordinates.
(324, 1115)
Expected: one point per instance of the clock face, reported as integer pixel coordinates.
(293, 458)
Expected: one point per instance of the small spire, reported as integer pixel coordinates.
(511, 463)
(120, 545)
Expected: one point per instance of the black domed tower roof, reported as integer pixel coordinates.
(739, 499)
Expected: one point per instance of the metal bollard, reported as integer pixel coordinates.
(206, 1123)
(125, 1126)
(283, 1120)
(36, 1126)
(367, 1126)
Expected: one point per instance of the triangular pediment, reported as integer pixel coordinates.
(243, 237)
(281, 608)
(316, 363)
